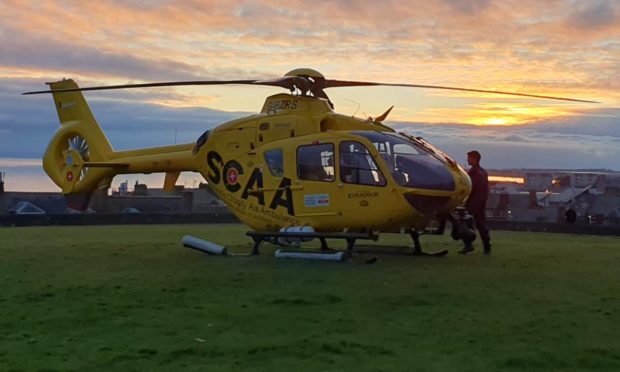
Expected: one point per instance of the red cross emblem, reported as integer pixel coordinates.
(232, 175)
(69, 176)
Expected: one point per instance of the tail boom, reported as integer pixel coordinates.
(80, 159)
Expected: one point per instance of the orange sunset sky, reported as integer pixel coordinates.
(556, 47)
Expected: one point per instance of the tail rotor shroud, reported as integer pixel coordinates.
(77, 144)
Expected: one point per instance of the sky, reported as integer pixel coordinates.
(557, 47)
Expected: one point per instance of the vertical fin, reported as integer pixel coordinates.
(79, 140)
(72, 107)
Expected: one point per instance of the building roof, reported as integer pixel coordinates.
(563, 197)
(519, 201)
(608, 181)
(25, 207)
(605, 205)
(51, 203)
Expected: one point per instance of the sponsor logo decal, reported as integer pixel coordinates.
(316, 200)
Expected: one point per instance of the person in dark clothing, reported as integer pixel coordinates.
(570, 215)
(476, 203)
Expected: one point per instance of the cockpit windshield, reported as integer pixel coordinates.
(410, 164)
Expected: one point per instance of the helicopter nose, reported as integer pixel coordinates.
(424, 172)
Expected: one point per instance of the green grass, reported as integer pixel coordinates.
(132, 298)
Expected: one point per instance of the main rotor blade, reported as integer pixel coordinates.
(343, 83)
(279, 82)
(302, 83)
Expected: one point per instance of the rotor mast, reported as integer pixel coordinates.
(309, 82)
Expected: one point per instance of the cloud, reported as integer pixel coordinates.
(594, 15)
(64, 57)
(564, 48)
(522, 147)
(515, 138)
(469, 7)
(595, 122)
(28, 123)
(456, 42)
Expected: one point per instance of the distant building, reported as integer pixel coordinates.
(123, 187)
(25, 207)
(570, 195)
(538, 181)
(146, 200)
(521, 206)
(32, 203)
(584, 179)
(605, 208)
(142, 200)
(608, 184)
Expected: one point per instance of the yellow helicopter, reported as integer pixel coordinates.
(296, 169)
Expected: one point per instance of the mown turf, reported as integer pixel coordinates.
(132, 298)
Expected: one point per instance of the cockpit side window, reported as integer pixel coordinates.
(316, 162)
(410, 164)
(357, 165)
(275, 162)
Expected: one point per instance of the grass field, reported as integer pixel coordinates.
(125, 298)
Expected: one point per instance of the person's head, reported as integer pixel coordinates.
(473, 157)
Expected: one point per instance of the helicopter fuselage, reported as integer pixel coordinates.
(298, 163)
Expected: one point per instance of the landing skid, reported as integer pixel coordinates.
(395, 250)
(417, 247)
(273, 237)
(440, 253)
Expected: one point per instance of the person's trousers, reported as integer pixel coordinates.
(480, 221)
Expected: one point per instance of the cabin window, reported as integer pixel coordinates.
(357, 165)
(410, 163)
(316, 162)
(275, 162)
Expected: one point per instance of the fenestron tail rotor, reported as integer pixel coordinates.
(307, 81)
(77, 144)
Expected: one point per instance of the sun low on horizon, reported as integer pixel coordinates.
(507, 114)
(564, 49)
